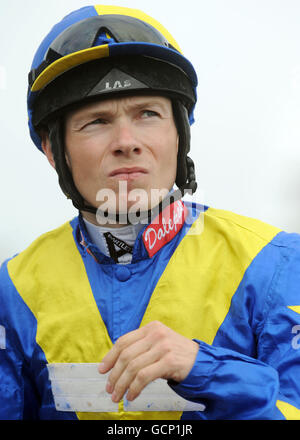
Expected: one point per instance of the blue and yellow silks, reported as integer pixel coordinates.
(233, 288)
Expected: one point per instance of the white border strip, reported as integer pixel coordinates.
(79, 387)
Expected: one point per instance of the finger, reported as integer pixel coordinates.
(123, 342)
(139, 360)
(145, 376)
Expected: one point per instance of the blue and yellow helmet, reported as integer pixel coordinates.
(101, 32)
(100, 51)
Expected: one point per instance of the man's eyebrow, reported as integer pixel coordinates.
(106, 111)
(150, 102)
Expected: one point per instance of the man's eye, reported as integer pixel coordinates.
(97, 121)
(149, 113)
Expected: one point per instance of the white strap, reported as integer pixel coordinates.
(79, 387)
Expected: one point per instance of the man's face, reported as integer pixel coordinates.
(123, 145)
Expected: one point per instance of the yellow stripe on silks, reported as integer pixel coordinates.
(204, 273)
(290, 412)
(135, 13)
(69, 325)
(295, 308)
(63, 64)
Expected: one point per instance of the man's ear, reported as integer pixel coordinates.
(46, 146)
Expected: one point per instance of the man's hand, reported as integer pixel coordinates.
(143, 355)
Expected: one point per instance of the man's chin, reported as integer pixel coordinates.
(133, 214)
(136, 203)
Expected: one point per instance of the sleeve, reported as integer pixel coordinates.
(18, 399)
(233, 385)
(10, 382)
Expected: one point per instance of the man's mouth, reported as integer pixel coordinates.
(128, 173)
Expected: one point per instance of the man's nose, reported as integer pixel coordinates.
(125, 141)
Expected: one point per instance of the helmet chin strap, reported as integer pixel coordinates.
(185, 180)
